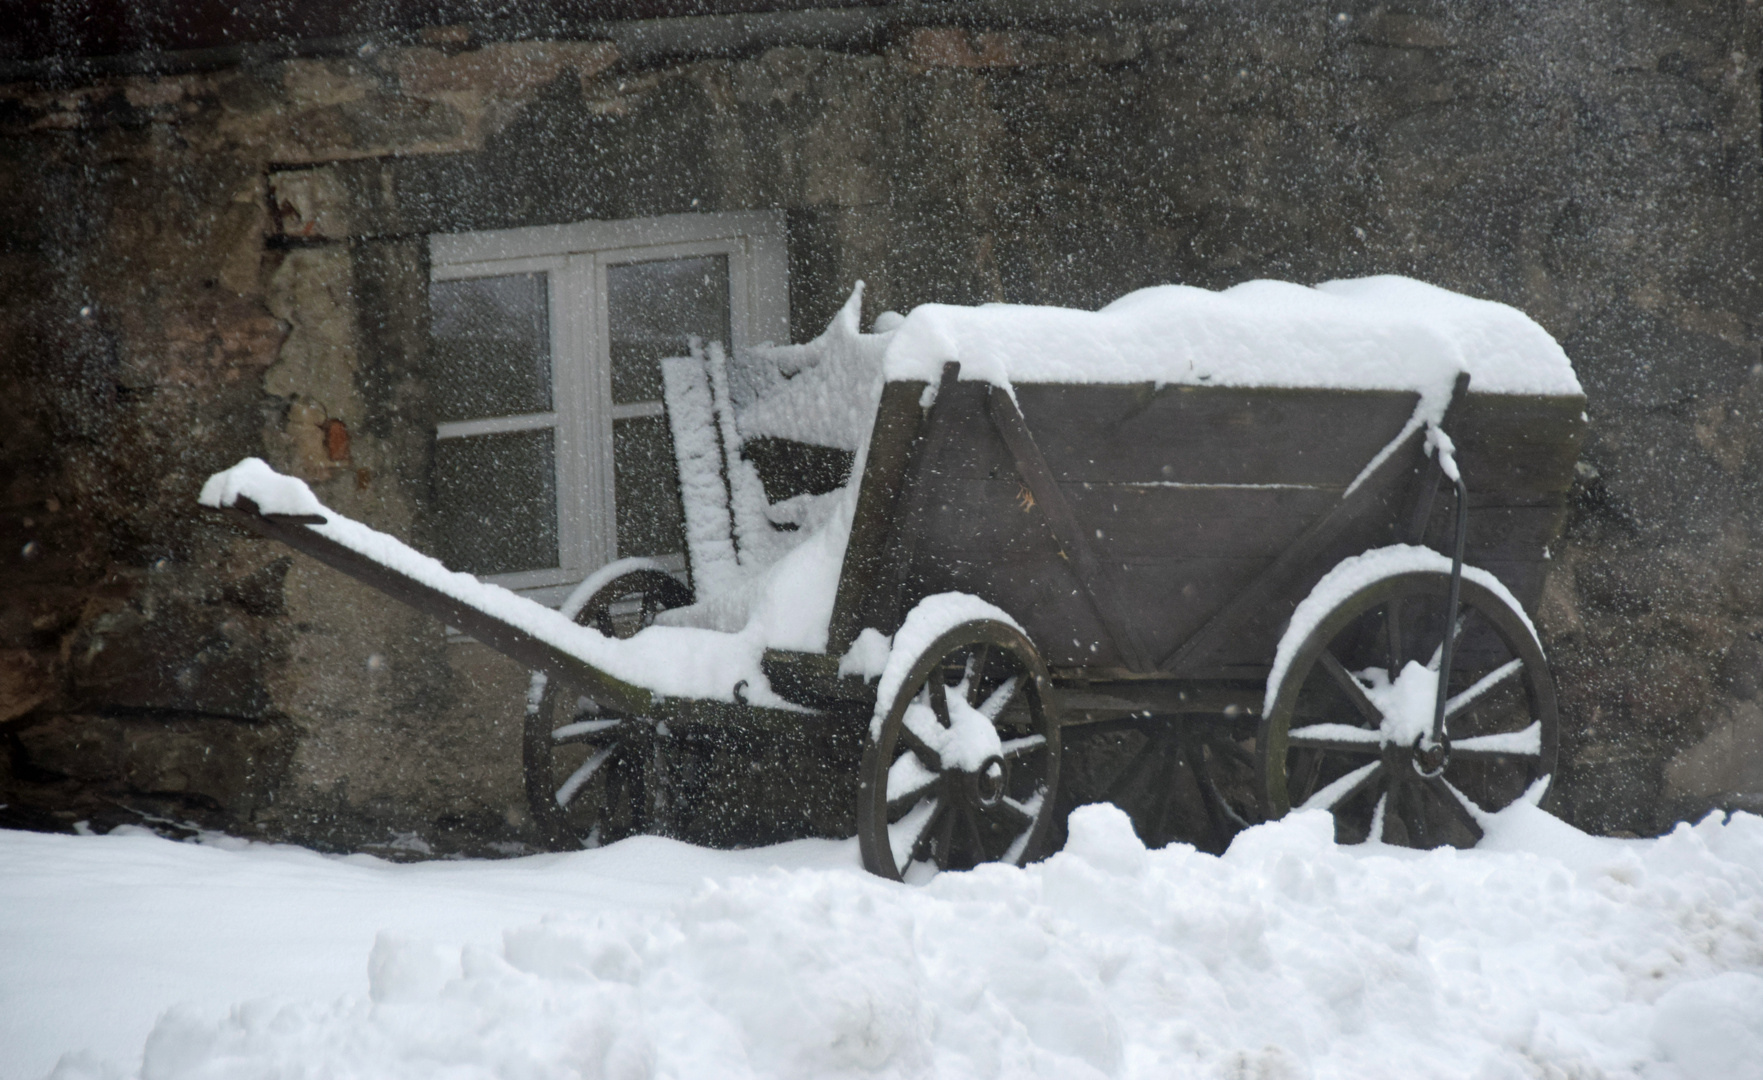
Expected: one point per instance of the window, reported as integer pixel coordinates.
(553, 454)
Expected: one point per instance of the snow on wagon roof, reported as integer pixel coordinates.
(1388, 332)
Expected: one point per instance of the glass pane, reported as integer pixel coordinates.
(496, 502)
(492, 346)
(646, 479)
(652, 308)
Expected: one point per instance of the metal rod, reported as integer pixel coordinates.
(1450, 642)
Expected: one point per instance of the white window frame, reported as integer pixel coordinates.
(575, 258)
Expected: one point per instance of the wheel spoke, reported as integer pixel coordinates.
(908, 780)
(1526, 743)
(945, 837)
(1337, 738)
(1011, 815)
(582, 775)
(926, 753)
(1029, 813)
(1378, 814)
(1392, 621)
(1227, 747)
(1457, 705)
(584, 731)
(1344, 788)
(970, 815)
(910, 836)
(1351, 687)
(939, 697)
(1414, 815)
(995, 702)
(976, 672)
(1015, 748)
(1304, 779)
(1456, 802)
(1394, 830)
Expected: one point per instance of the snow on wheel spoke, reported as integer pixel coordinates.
(1487, 682)
(1340, 738)
(582, 775)
(1461, 806)
(1031, 811)
(1526, 743)
(1015, 748)
(1481, 817)
(997, 699)
(1377, 818)
(575, 732)
(903, 835)
(907, 780)
(1338, 791)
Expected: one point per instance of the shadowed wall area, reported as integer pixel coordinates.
(207, 256)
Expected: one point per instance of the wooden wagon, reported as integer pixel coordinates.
(1262, 582)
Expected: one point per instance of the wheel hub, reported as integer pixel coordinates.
(1430, 759)
(989, 780)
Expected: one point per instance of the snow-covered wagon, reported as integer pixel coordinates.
(1289, 535)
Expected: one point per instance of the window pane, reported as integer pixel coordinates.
(652, 308)
(492, 346)
(646, 476)
(496, 502)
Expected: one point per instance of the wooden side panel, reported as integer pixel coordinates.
(1519, 445)
(898, 420)
(1211, 435)
(1189, 493)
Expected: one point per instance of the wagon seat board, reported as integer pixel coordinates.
(1186, 491)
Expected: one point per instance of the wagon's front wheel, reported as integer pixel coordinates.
(963, 761)
(585, 766)
(1349, 727)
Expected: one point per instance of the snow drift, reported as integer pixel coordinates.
(1543, 953)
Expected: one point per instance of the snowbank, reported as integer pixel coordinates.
(1543, 953)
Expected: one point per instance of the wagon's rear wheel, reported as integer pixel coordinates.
(963, 762)
(1344, 729)
(584, 765)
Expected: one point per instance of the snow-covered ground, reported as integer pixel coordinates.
(1544, 953)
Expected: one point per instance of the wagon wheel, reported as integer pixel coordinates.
(1342, 736)
(584, 765)
(963, 767)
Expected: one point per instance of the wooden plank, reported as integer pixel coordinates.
(813, 680)
(1071, 534)
(887, 604)
(512, 642)
(1202, 434)
(1366, 513)
(898, 424)
(1509, 443)
(1135, 520)
(1171, 599)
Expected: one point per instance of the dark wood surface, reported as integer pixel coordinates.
(896, 433)
(1184, 496)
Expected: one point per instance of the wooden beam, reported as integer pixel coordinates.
(1098, 584)
(512, 642)
(886, 608)
(897, 429)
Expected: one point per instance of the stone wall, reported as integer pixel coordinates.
(197, 265)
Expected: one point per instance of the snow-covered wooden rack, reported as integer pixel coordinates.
(1243, 568)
